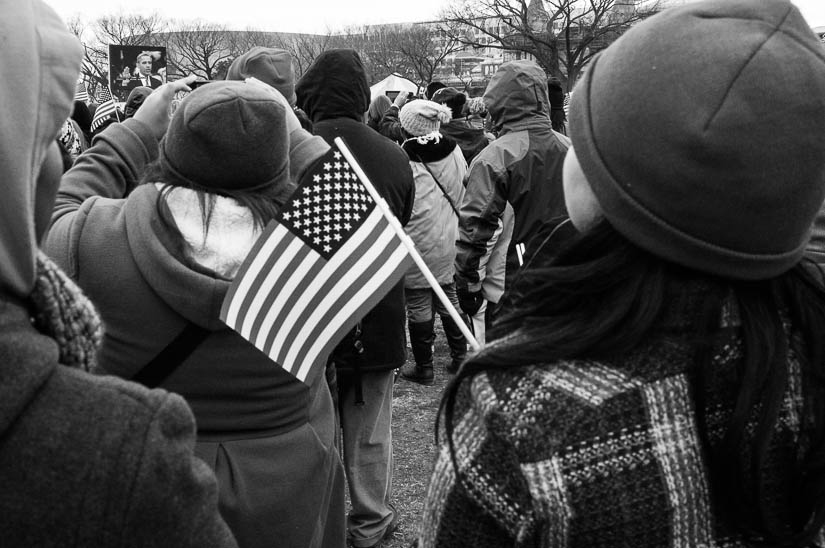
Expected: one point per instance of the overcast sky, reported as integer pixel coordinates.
(298, 15)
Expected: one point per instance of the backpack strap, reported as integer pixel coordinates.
(169, 359)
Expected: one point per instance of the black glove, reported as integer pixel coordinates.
(469, 301)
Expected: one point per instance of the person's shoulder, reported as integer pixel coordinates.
(499, 152)
(122, 397)
(551, 399)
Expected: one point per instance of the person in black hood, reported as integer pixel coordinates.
(335, 94)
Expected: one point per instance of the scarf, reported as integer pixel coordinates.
(64, 313)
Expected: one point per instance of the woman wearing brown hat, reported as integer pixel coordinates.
(158, 257)
(661, 381)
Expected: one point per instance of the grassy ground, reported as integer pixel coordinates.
(413, 420)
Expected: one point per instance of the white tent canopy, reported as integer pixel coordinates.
(392, 83)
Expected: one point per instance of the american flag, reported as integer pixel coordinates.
(105, 109)
(328, 258)
(80, 92)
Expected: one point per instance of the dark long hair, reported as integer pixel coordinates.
(262, 203)
(600, 297)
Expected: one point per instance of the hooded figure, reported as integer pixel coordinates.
(523, 168)
(84, 460)
(335, 95)
(158, 259)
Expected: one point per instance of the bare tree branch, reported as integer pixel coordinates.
(112, 29)
(199, 48)
(562, 35)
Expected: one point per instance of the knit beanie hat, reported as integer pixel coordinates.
(269, 65)
(722, 173)
(422, 117)
(228, 136)
(452, 98)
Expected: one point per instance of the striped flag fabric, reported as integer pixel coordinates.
(80, 92)
(106, 108)
(327, 258)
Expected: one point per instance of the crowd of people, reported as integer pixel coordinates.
(642, 261)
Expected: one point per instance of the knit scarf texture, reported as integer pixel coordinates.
(62, 312)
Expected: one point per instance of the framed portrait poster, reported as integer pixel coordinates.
(135, 66)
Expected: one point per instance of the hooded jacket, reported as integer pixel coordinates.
(335, 95)
(523, 167)
(84, 460)
(151, 276)
(433, 225)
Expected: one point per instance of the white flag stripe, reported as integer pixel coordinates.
(292, 269)
(308, 302)
(321, 312)
(252, 273)
(258, 299)
(313, 287)
(338, 296)
(278, 306)
(331, 326)
(341, 280)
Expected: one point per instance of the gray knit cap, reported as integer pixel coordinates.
(701, 133)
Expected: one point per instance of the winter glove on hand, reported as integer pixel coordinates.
(470, 301)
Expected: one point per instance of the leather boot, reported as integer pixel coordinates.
(422, 338)
(456, 342)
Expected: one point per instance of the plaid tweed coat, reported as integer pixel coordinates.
(596, 454)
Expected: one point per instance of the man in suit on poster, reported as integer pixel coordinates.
(143, 76)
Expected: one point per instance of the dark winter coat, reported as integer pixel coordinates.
(522, 167)
(335, 95)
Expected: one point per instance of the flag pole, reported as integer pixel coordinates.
(409, 244)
